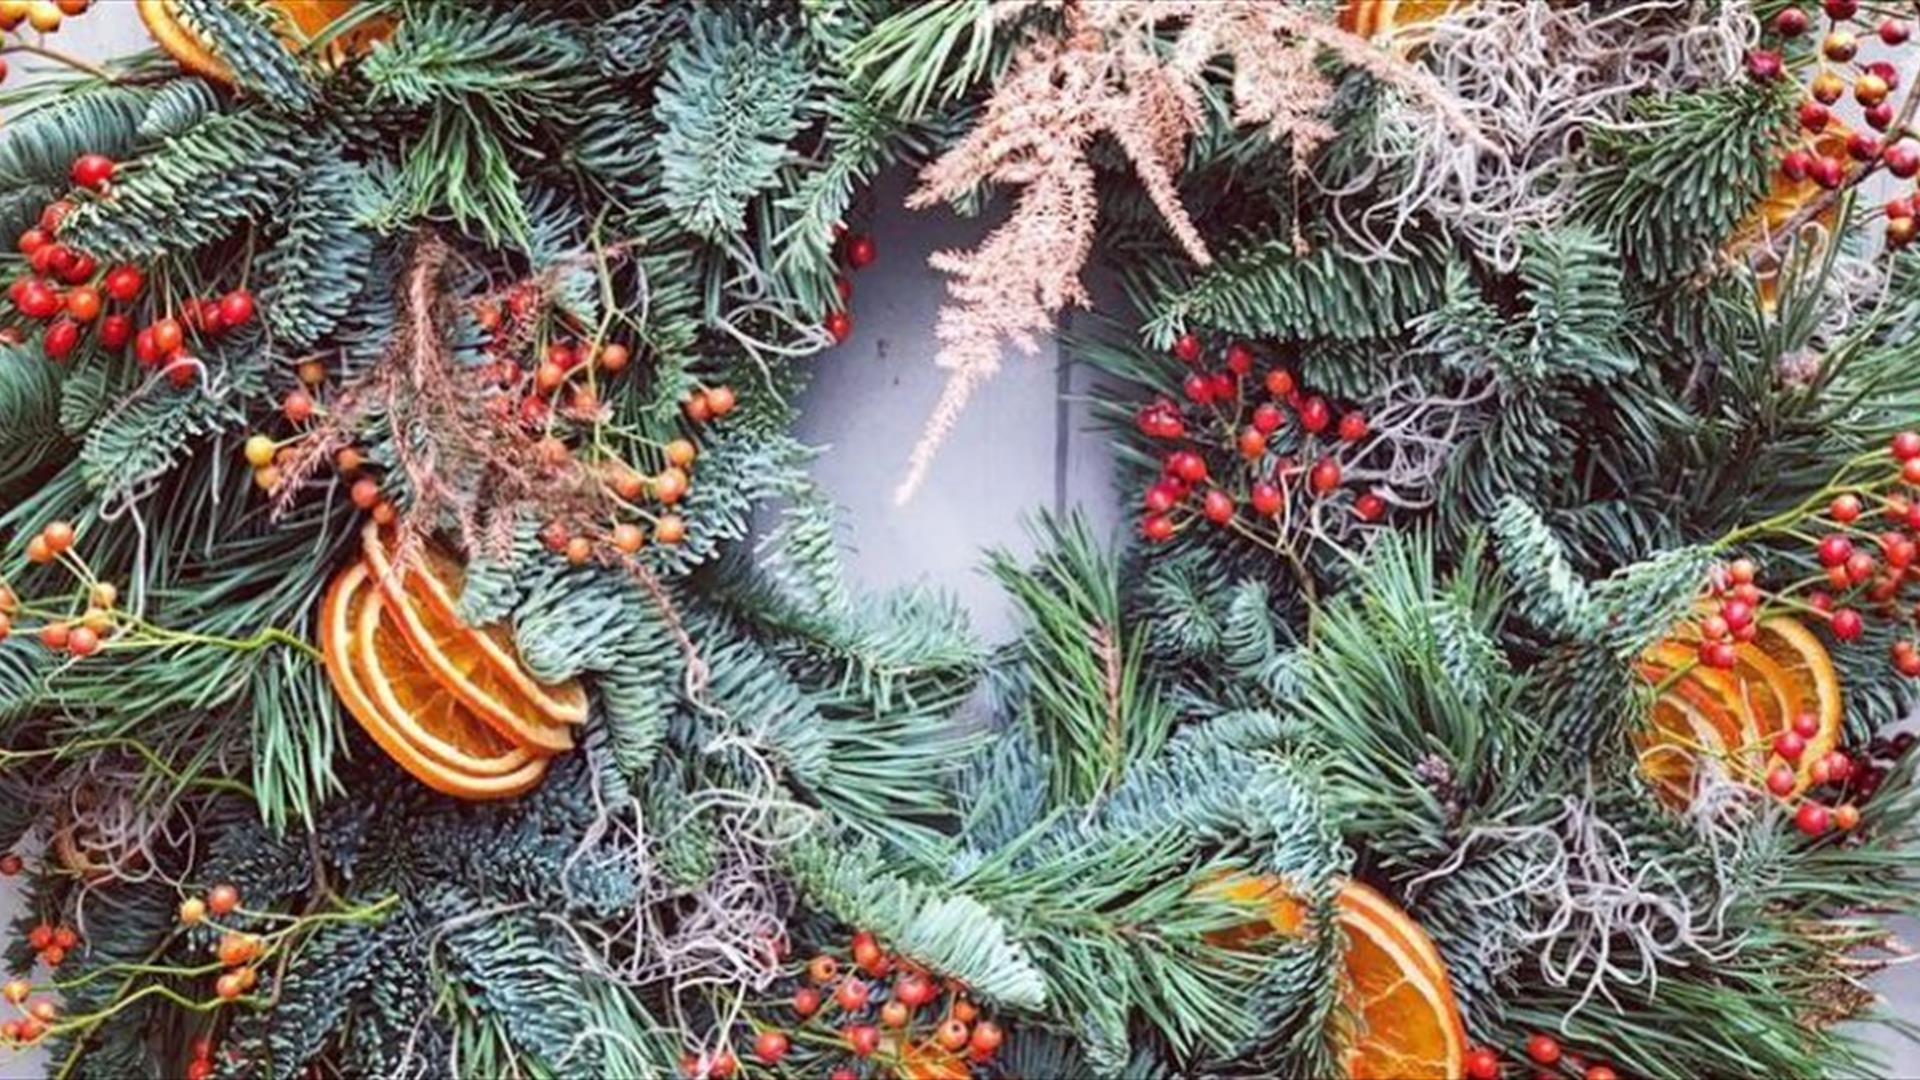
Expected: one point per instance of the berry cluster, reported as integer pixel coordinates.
(52, 943)
(78, 627)
(874, 1007)
(43, 15)
(1832, 156)
(1545, 1052)
(69, 314)
(1264, 450)
(858, 253)
(37, 1015)
(237, 952)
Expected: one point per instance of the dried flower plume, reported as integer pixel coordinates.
(1107, 74)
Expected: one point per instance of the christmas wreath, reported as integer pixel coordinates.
(423, 651)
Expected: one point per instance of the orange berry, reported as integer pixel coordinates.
(681, 452)
(1846, 816)
(579, 550)
(236, 949)
(628, 537)
(548, 376)
(953, 1034)
(965, 1011)
(348, 460)
(38, 550)
(40, 937)
(311, 372)
(721, 400)
(83, 641)
(55, 635)
(613, 358)
(365, 493)
(59, 536)
(822, 969)
(629, 485)
(17, 990)
(297, 406)
(670, 529)
(697, 408)
(53, 955)
(228, 986)
(267, 479)
(193, 910)
(222, 899)
(44, 1011)
(670, 486)
(384, 513)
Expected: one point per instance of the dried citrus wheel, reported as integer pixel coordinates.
(1803, 677)
(454, 655)
(1372, 18)
(1735, 715)
(1404, 1021)
(446, 747)
(433, 582)
(310, 17)
(1399, 995)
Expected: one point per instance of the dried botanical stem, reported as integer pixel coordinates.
(1107, 73)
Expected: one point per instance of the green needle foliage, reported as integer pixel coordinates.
(1094, 828)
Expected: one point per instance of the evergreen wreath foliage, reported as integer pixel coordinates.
(533, 289)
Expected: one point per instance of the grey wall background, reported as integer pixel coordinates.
(1023, 445)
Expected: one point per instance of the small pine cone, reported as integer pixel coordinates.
(1799, 368)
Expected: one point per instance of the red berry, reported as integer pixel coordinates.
(40, 937)
(1814, 116)
(1218, 506)
(806, 1001)
(914, 990)
(1892, 31)
(1845, 509)
(1160, 499)
(1764, 65)
(1906, 446)
(1841, 10)
(1253, 444)
(1910, 471)
(863, 1039)
(860, 251)
(1369, 507)
(1325, 475)
(1839, 766)
(1188, 466)
(839, 326)
(1828, 172)
(1198, 388)
(92, 171)
(1224, 386)
(1737, 613)
(83, 642)
(1719, 655)
(1543, 1049)
(1279, 382)
(1267, 418)
(222, 899)
(1266, 499)
(1860, 567)
(1482, 1064)
(236, 308)
(1187, 348)
(124, 283)
(1601, 1072)
(770, 1047)
(115, 331)
(1780, 780)
(1314, 415)
(1812, 818)
(1157, 528)
(38, 300)
(62, 337)
(1790, 22)
(1794, 166)
(1239, 359)
(1834, 549)
(1879, 117)
(844, 288)
(1790, 745)
(1903, 160)
(167, 335)
(1847, 624)
(1846, 817)
(986, 1038)
(1353, 427)
(297, 406)
(1806, 725)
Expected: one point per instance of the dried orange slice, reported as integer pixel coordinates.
(433, 582)
(310, 17)
(445, 746)
(1404, 1020)
(1782, 673)
(1396, 18)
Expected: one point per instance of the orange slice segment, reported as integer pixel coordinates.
(350, 621)
(1807, 682)
(435, 580)
(1402, 1020)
